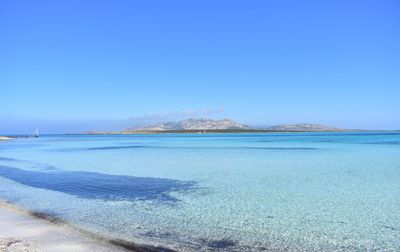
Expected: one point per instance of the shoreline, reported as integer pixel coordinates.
(25, 230)
(201, 132)
(4, 138)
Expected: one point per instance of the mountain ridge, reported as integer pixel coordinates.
(195, 124)
(228, 125)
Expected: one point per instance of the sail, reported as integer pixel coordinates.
(36, 133)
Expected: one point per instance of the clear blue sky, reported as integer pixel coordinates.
(73, 65)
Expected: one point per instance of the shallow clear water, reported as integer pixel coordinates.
(293, 191)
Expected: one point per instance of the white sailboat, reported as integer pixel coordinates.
(36, 133)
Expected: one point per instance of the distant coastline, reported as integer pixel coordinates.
(199, 131)
(203, 126)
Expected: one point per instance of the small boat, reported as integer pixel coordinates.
(36, 133)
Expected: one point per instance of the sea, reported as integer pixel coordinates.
(336, 191)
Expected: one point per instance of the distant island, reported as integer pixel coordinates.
(218, 126)
(304, 127)
(195, 124)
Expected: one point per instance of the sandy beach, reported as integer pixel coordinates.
(19, 231)
(2, 138)
(26, 231)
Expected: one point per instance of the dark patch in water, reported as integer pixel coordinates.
(277, 148)
(93, 185)
(158, 235)
(325, 141)
(202, 148)
(9, 159)
(389, 227)
(221, 244)
(385, 143)
(118, 147)
(137, 247)
(46, 167)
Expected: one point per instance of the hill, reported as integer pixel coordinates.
(195, 124)
(303, 127)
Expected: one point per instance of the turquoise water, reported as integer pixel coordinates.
(226, 192)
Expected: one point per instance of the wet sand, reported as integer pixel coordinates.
(22, 230)
(19, 231)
